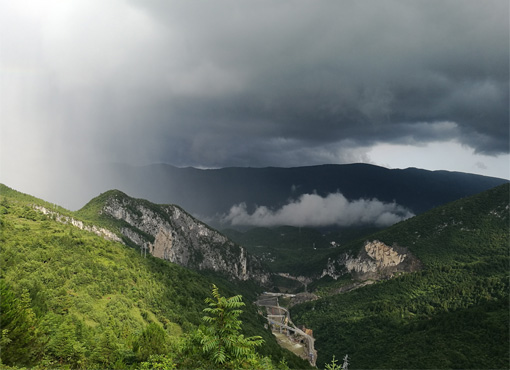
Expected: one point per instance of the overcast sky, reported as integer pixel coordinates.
(253, 83)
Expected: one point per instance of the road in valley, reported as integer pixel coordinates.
(288, 335)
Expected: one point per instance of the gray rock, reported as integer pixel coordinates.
(172, 234)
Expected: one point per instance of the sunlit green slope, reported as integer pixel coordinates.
(71, 298)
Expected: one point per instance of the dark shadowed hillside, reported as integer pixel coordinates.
(451, 311)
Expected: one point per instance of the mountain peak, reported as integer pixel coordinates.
(168, 232)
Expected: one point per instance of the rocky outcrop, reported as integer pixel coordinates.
(104, 233)
(302, 298)
(170, 233)
(375, 261)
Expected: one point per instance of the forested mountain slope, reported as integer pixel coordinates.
(71, 298)
(452, 313)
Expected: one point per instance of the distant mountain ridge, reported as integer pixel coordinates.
(209, 194)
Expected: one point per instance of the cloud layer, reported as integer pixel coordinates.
(252, 83)
(314, 210)
(216, 84)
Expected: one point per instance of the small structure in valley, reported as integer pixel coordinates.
(279, 319)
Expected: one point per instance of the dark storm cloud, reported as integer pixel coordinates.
(271, 77)
(258, 83)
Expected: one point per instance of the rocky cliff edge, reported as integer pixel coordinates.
(170, 233)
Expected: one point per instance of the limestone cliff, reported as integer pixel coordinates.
(170, 233)
(374, 261)
(102, 232)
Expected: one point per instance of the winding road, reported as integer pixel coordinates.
(279, 318)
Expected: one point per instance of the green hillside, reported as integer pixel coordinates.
(71, 299)
(454, 313)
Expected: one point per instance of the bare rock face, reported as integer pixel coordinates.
(375, 261)
(170, 233)
(383, 255)
(162, 247)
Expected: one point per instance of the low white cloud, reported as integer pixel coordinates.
(314, 210)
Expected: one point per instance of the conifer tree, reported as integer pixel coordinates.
(152, 341)
(64, 346)
(18, 336)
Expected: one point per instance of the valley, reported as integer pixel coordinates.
(254, 185)
(123, 270)
(455, 306)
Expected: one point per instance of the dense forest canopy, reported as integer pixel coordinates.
(454, 313)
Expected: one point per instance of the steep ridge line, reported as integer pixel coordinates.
(99, 231)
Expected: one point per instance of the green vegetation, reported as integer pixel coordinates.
(454, 313)
(221, 340)
(218, 342)
(70, 299)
